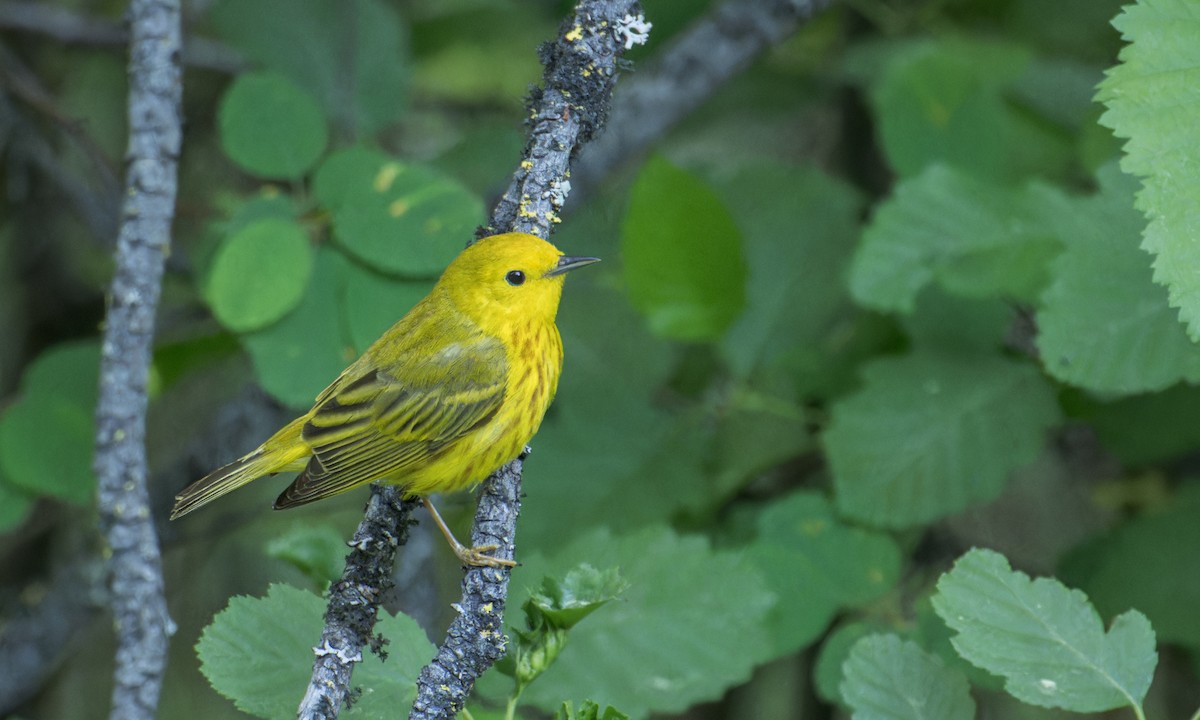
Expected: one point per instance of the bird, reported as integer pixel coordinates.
(451, 392)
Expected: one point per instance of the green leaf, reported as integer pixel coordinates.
(975, 238)
(580, 593)
(943, 323)
(588, 710)
(394, 216)
(46, 446)
(297, 357)
(947, 101)
(806, 554)
(550, 612)
(831, 658)
(1104, 325)
(15, 503)
(929, 435)
(1148, 564)
(604, 428)
(1044, 638)
(351, 56)
(683, 255)
(374, 302)
(318, 551)
(887, 678)
(47, 436)
(258, 653)
(270, 127)
(1153, 97)
(259, 274)
(1145, 429)
(821, 222)
(757, 434)
(69, 370)
(689, 626)
(480, 54)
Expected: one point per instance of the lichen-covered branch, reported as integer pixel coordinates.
(581, 68)
(354, 601)
(686, 73)
(134, 563)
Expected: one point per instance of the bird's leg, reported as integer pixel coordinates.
(477, 556)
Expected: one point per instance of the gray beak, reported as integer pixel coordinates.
(566, 264)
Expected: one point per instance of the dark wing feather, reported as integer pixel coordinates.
(384, 422)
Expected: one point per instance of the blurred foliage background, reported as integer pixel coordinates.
(879, 300)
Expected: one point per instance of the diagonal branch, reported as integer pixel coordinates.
(135, 565)
(581, 68)
(581, 71)
(354, 600)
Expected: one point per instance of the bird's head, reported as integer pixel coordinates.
(505, 277)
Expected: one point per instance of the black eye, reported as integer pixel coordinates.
(515, 277)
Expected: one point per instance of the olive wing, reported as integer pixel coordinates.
(383, 422)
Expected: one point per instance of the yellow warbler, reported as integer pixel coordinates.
(447, 395)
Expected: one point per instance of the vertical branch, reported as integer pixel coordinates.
(354, 601)
(581, 69)
(135, 566)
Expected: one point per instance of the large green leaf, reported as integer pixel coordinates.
(1044, 638)
(317, 550)
(797, 252)
(684, 265)
(604, 428)
(15, 503)
(396, 217)
(975, 238)
(258, 653)
(887, 678)
(480, 54)
(374, 302)
(298, 356)
(1153, 99)
(1104, 325)
(259, 274)
(831, 658)
(929, 435)
(47, 437)
(817, 565)
(46, 446)
(690, 625)
(69, 370)
(270, 127)
(1147, 428)
(947, 101)
(1148, 564)
(351, 54)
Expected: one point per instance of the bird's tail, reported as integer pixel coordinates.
(284, 451)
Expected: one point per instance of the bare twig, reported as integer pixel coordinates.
(72, 28)
(685, 74)
(135, 564)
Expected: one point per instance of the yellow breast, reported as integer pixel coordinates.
(535, 356)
